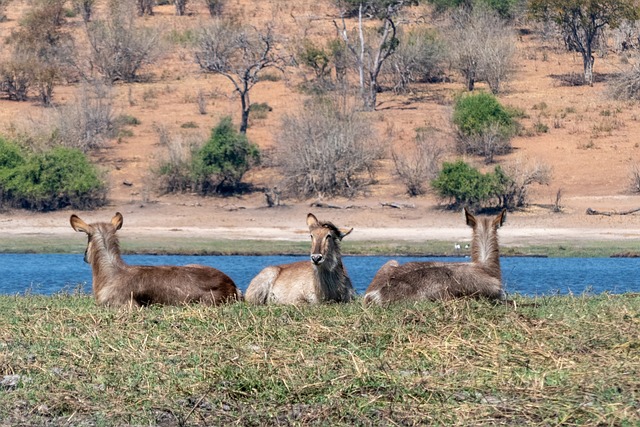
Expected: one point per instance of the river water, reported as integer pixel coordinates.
(51, 273)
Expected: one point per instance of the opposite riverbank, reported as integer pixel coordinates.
(570, 360)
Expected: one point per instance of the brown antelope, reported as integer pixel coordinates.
(117, 284)
(442, 281)
(324, 279)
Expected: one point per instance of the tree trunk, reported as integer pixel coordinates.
(246, 105)
(588, 60)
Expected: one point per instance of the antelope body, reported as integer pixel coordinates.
(117, 284)
(322, 279)
(442, 281)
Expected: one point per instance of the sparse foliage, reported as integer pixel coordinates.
(419, 164)
(181, 7)
(84, 8)
(635, 178)
(145, 7)
(626, 86)
(583, 21)
(370, 47)
(175, 170)
(41, 51)
(326, 150)
(481, 46)
(418, 58)
(215, 7)
(514, 180)
(119, 46)
(240, 54)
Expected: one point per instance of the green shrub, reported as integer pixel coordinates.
(464, 185)
(51, 180)
(473, 114)
(220, 164)
(484, 126)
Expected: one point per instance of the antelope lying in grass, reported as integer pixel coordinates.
(324, 279)
(442, 281)
(117, 284)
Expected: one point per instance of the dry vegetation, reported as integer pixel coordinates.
(553, 361)
(170, 91)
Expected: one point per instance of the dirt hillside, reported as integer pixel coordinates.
(591, 142)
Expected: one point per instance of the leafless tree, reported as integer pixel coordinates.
(85, 8)
(85, 123)
(215, 7)
(418, 57)
(370, 47)
(626, 86)
(327, 149)
(516, 177)
(240, 54)
(419, 164)
(181, 7)
(481, 46)
(119, 46)
(635, 178)
(145, 7)
(41, 44)
(3, 9)
(489, 143)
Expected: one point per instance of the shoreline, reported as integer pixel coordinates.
(380, 242)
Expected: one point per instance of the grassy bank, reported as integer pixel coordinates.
(206, 246)
(551, 361)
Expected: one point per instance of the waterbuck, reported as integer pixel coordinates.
(117, 284)
(322, 279)
(442, 281)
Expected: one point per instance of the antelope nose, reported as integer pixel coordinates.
(317, 258)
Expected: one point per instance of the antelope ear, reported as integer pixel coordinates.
(469, 218)
(344, 232)
(312, 221)
(500, 219)
(117, 221)
(78, 224)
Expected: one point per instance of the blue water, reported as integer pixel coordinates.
(50, 273)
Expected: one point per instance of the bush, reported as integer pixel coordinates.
(327, 151)
(464, 185)
(86, 123)
(220, 164)
(626, 86)
(418, 165)
(418, 58)
(51, 180)
(483, 125)
(505, 187)
(120, 48)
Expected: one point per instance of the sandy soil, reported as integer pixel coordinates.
(590, 145)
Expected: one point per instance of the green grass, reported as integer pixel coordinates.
(207, 246)
(552, 361)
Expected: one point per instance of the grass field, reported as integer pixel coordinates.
(570, 360)
(204, 246)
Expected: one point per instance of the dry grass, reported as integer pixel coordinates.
(553, 361)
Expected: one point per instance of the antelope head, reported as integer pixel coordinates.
(325, 241)
(93, 230)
